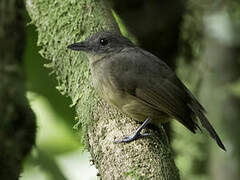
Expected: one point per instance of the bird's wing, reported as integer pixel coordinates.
(168, 97)
(150, 80)
(175, 100)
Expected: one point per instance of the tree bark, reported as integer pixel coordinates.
(17, 125)
(60, 23)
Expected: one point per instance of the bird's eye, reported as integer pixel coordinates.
(103, 41)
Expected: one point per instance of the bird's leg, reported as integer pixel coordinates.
(137, 134)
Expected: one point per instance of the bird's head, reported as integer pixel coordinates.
(101, 44)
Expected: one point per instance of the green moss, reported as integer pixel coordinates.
(133, 174)
(136, 174)
(123, 28)
(58, 27)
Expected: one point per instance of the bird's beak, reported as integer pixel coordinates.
(80, 46)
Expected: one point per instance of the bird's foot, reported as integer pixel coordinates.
(132, 138)
(137, 134)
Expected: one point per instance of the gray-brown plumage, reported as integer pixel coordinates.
(140, 84)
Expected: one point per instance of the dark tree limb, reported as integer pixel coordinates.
(156, 25)
(17, 124)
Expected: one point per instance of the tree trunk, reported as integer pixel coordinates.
(17, 125)
(60, 23)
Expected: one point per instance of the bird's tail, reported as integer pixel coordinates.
(199, 112)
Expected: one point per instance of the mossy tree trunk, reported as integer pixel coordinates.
(17, 124)
(60, 23)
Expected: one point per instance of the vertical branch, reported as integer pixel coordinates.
(17, 125)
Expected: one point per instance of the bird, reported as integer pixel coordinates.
(140, 85)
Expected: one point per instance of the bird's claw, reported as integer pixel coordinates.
(132, 138)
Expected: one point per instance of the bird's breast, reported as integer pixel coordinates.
(128, 104)
(106, 87)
